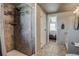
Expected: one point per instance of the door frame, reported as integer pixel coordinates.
(37, 35)
(48, 26)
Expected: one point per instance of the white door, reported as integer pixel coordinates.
(43, 29)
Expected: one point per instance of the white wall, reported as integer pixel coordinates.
(43, 28)
(40, 27)
(66, 18)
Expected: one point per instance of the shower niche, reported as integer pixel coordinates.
(18, 29)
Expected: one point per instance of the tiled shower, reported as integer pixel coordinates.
(19, 31)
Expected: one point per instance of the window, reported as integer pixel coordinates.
(53, 22)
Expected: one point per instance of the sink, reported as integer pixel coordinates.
(75, 44)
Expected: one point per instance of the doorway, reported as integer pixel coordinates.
(52, 28)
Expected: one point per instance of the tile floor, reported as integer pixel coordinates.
(52, 49)
(15, 53)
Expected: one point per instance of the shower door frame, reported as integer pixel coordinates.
(3, 47)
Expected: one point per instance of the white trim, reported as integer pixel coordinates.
(35, 31)
(2, 32)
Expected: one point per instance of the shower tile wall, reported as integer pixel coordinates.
(19, 35)
(8, 28)
(22, 38)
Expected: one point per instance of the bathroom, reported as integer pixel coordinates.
(65, 26)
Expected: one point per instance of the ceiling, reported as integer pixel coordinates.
(50, 7)
(58, 7)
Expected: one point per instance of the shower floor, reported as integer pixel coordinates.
(15, 53)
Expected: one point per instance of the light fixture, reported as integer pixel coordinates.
(76, 21)
(76, 11)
